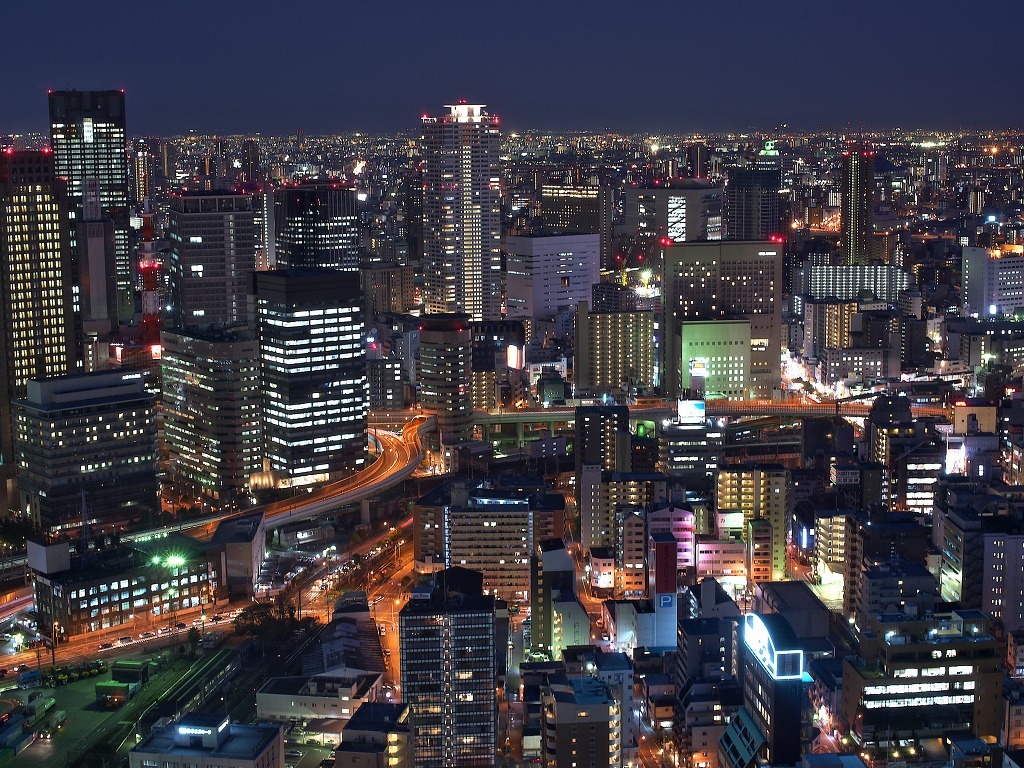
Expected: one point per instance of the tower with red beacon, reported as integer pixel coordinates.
(148, 334)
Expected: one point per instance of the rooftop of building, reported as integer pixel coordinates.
(582, 691)
(214, 334)
(790, 596)
(897, 567)
(243, 742)
(381, 717)
(239, 530)
(176, 550)
(322, 686)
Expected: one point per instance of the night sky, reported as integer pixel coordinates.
(236, 66)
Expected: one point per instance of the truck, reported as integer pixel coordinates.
(56, 722)
(29, 678)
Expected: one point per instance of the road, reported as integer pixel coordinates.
(400, 455)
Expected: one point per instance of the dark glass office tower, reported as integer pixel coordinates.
(316, 224)
(858, 192)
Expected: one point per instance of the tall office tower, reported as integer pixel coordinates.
(211, 407)
(444, 371)
(316, 224)
(448, 641)
(614, 351)
(312, 374)
(412, 207)
(759, 491)
(143, 165)
(581, 209)
(87, 132)
(549, 273)
(213, 256)
(462, 212)
(682, 210)
(252, 166)
(858, 204)
(698, 158)
(87, 440)
(37, 329)
(729, 279)
(752, 197)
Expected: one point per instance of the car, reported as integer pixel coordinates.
(293, 753)
(105, 646)
(147, 635)
(181, 625)
(164, 630)
(125, 640)
(217, 617)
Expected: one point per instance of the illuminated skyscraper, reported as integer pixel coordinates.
(213, 256)
(462, 212)
(36, 319)
(87, 131)
(312, 374)
(858, 190)
(211, 407)
(316, 224)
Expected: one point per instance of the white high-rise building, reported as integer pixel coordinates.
(548, 273)
(993, 280)
(462, 212)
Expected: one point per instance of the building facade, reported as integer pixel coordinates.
(213, 255)
(614, 351)
(211, 405)
(37, 327)
(462, 212)
(87, 451)
(444, 373)
(719, 281)
(447, 641)
(316, 225)
(550, 273)
(312, 373)
(90, 150)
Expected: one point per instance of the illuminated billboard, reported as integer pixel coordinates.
(691, 411)
(780, 663)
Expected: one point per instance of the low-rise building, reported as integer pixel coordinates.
(210, 741)
(378, 735)
(334, 697)
(114, 586)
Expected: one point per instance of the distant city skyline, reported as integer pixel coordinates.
(377, 68)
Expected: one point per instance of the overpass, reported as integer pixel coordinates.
(805, 409)
(399, 456)
(719, 408)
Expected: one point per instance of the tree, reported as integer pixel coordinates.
(193, 639)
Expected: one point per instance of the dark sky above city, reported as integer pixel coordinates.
(374, 65)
